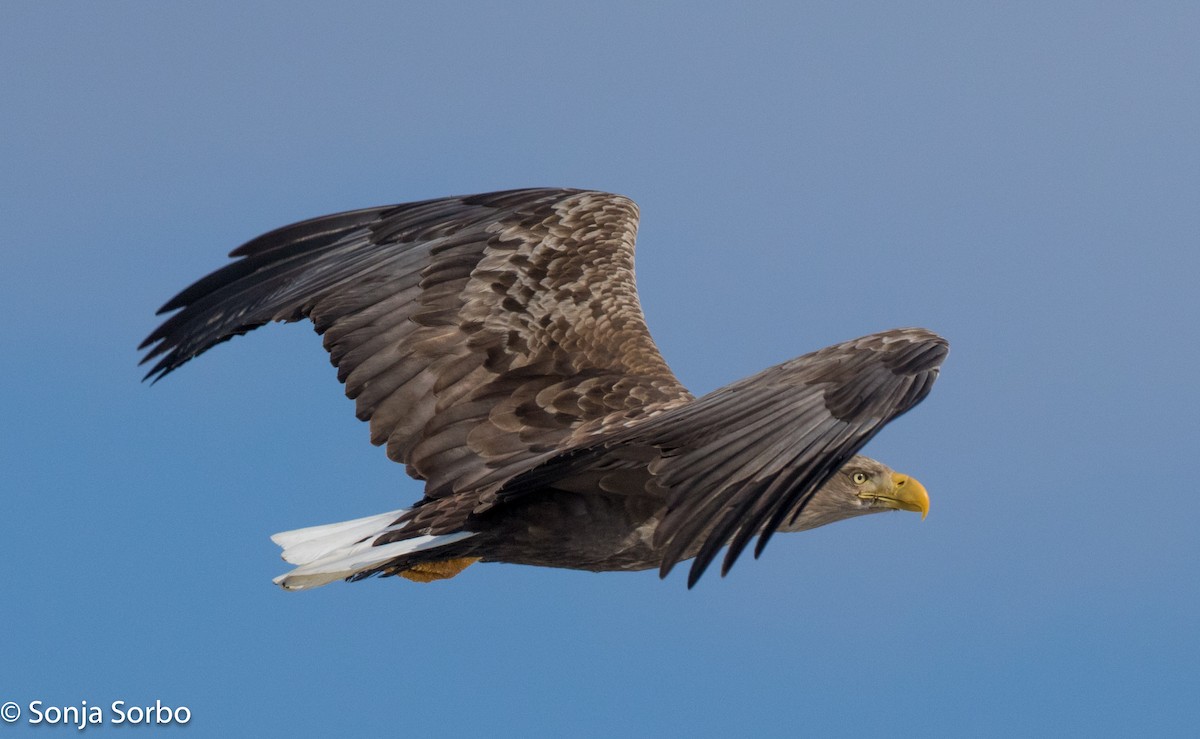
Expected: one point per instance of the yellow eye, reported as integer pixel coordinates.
(859, 478)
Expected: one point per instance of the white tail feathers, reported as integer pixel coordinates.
(302, 546)
(336, 551)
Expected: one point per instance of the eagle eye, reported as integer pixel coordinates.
(859, 478)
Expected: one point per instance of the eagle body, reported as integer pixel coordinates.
(496, 345)
(601, 532)
(597, 530)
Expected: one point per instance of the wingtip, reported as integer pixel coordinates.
(698, 568)
(763, 538)
(160, 370)
(694, 573)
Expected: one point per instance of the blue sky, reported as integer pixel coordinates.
(1021, 178)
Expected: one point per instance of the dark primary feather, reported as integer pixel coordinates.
(496, 345)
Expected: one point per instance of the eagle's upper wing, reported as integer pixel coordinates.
(474, 333)
(747, 457)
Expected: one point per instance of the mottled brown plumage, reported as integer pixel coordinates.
(496, 345)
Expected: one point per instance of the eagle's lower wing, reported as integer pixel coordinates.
(474, 333)
(744, 459)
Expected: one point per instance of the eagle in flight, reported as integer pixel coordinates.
(496, 345)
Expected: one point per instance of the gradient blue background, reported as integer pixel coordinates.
(1023, 178)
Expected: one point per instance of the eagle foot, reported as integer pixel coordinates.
(440, 570)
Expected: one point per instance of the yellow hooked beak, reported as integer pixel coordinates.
(906, 495)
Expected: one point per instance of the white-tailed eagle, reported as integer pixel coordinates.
(496, 345)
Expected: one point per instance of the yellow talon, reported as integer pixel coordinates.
(440, 570)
